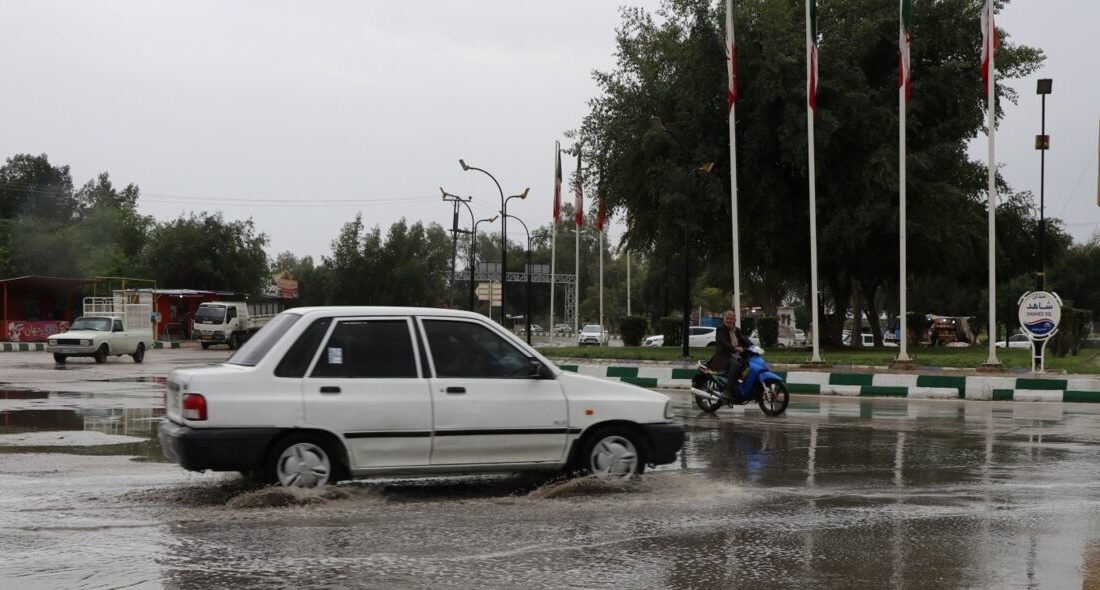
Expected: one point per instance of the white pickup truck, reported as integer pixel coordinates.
(229, 322)
(99, 337)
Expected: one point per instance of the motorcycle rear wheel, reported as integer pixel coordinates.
(775, 397)
(707, 405)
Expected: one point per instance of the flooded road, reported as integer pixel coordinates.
(836, 493)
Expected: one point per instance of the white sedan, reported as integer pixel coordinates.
(698, 337)
(1014, 341)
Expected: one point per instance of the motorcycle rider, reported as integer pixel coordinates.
(729, 345)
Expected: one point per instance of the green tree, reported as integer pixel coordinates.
(30, 185)
(205, 251)
(672, 67)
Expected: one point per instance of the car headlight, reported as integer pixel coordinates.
(668, 410)
(86, 342)
(51, 342)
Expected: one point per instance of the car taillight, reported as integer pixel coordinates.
(194, 406)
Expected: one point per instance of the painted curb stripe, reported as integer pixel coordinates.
(1082, 396)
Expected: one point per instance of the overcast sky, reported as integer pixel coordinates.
(300, 114)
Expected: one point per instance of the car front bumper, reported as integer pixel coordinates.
(217, 449)
(666, 441)
(70, 349)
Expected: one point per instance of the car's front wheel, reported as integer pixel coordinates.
(59, 358)
(612, 453)
(101, 354)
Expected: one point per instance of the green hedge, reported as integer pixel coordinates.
(768, 331)
(673, 330)
(748, 324)
(633, 329)
(1072, 331)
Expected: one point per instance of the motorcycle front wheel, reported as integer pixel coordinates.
(774, 398)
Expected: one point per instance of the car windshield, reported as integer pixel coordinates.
(93, 324)
(592, 328)
(253, 350)
(211, 314)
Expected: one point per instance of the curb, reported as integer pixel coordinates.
(41, 346)
(970, 387)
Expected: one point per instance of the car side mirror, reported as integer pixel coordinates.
(537, 370)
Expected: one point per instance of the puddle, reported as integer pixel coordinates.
(133, 422)
(23, 394)
(152, 379)
(66, 438)
(584, 486)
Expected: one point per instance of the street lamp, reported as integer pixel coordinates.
(503, 232)
(1042, 143)
(456, 200)
(528, 232)
(657, 125)
(473, 258)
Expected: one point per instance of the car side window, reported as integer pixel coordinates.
(118, 326)
(469, 349)
(368, 349)
(296, 360)
(231, 313)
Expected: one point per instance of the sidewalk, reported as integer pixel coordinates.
(870, 382)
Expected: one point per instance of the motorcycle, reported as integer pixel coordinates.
(758, 383)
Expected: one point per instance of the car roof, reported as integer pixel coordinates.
(344, 310)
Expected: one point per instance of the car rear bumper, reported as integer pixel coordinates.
(217, 449)
(667, 439)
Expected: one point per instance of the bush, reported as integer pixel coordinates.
(748, 324)
(1072, 331)
(768, 331)
(633, 329)
(673, 330)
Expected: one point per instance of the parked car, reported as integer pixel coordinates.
(593, 334)
(1014, 341)
(701, 336)
(698, 336)
(322, 394)
(799, 337)
(99, 337)
(535, 329)
(563, 329)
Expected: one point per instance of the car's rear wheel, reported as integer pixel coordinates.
(205, 345)
(101, 354)
(139, 354)
(302, 461)
(613, 453)
(59, 358)
(234, 341)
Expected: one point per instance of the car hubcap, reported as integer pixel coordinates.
(303, 465)
(614, 457)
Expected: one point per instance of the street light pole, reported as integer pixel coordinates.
(473, 238)
(473, 257)
(503, 240)
(1042, 143)
(528, 232)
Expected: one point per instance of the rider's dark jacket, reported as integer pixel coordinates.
(725, 341)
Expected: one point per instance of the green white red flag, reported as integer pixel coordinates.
(989, 42)
(557, 183)
(578, 197)
(731, 57)
(905, 73)
(811, 56)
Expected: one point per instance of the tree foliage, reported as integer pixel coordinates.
(205, 251)
(661, 114)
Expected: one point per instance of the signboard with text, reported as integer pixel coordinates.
(1040, 313)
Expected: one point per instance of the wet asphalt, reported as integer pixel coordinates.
(838, 493)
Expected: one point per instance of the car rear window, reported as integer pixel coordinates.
(254, 350)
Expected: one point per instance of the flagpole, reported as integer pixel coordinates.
(991, 87)
(577, 283)
(731, 48)
(601, 279)
(554, 232)
(813, 192)
(903, 84)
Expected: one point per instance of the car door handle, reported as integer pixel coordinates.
(330, 389)
(456, 390)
